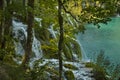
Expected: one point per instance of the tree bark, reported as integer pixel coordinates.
(24, 3)
(7, 23)
(25, 10)
(60, 44)
(30, 22)
(1, 21)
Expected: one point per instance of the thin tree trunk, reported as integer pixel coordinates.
(1, 21)
(60, 44)
(7, 24)
(25, 11)
(24, 2)
(30, 22)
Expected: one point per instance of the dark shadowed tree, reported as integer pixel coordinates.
(7, 23)
(1, 20)
(60, 43)
(24, 2)
(30, 22)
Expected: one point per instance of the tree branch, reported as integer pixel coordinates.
(68, 12)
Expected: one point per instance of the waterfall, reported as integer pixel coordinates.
(51, 30)
(36, 47)
(84, 56)
(20, 36)
(39, 21)
(118, 15)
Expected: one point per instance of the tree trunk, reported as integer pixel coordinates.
(1, 21)
(24, 2)
(25, 10)
(7, 24)
(60, 44)
(30, 22)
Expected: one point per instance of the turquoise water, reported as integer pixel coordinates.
(107, 38)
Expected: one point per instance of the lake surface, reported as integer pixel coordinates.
(106, 38)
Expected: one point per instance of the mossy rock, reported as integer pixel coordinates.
(70, 66)
(51, 70)
(67, 53)
(89, 64)
(51, 56)
(69, 75)
(54, 77)
(42, 34)
(72, 47)
(76, 49)
(54, 74)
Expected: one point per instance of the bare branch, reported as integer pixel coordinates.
(68, 12)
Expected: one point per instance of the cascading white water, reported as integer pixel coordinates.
(51, 30)
(36, 47)
(84, 56)
(39, 21)
(20, 35)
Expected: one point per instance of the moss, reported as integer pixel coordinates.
(71, 47)
(54, 77)
(89, 64)
(67, 53)
(54, 74)
(42, 33)
(51, 56)
(76, 49)
(69, 75)
(70, 66)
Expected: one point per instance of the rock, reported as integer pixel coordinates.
(70, 66)
(89, 64)
(69, 75)
(54, 77)
(81, 79)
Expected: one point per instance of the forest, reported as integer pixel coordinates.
(39, 39)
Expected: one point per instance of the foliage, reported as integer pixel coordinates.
(76, 14)
(8, 53)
